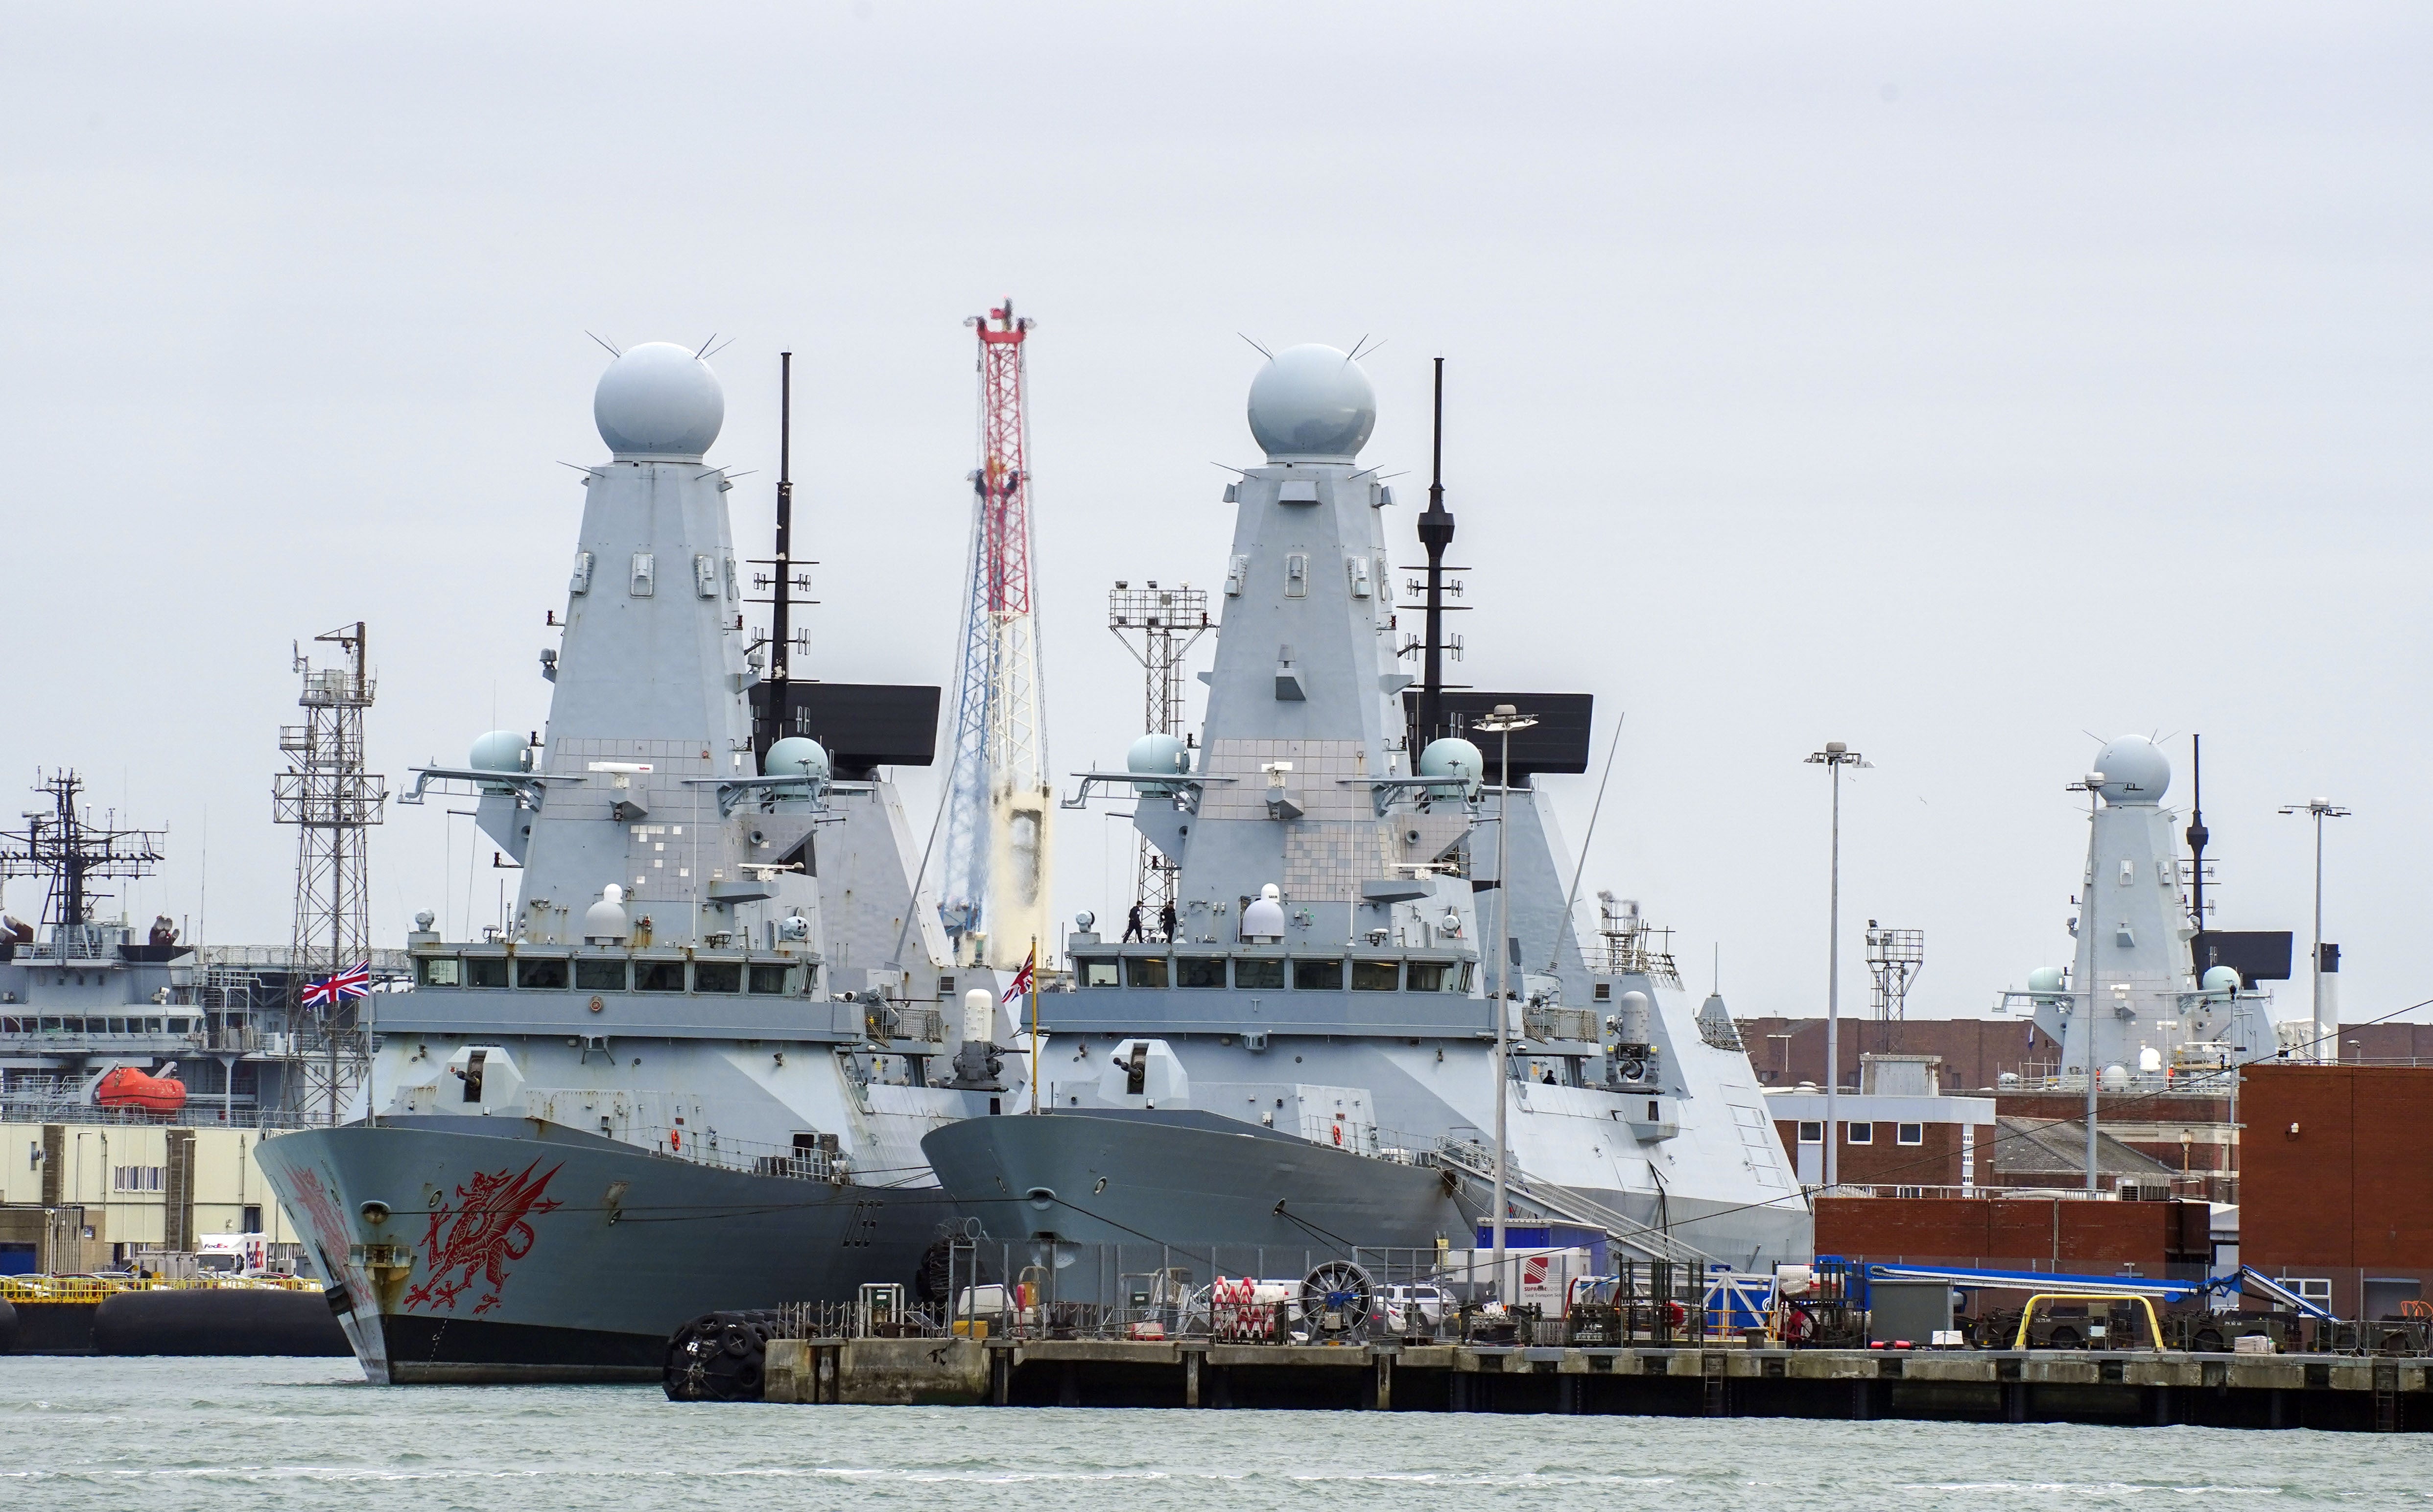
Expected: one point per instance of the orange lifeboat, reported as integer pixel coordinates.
(126, 1087)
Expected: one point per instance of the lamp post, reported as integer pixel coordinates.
(2320, 809)
(1835, 756)
(1503, 722)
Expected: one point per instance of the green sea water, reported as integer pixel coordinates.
(120, 1435)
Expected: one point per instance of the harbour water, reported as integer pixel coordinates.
(133, 1435)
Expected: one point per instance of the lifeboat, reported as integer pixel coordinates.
(126, 1087)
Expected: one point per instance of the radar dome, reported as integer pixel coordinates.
(1265, 918)
(604, 923)
(796, 756)
(1454, 757)
(2045, 981)
(1312, 404)
(500, 751)
(2135, 771)
(1163, 754)
(2222, 981)
(658, 402)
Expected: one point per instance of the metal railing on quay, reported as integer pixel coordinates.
(16, 1289)
(1229, 1294)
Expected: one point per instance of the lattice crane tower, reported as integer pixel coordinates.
(998, 795)
(333, 802)
(1894, 958)
(1168, 621)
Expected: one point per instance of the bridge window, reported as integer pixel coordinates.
(1099, 972)
(1145, 971)
(600, 976)
(1375, 975)
(1259, 974)
(439, 971)
(772, 979)
(486, 971)
(538, 972)
(1318, 976)
(718, 976)
(658, 976)
(1199, 971)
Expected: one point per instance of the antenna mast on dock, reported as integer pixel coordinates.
(1894, 957)
(998, 795)
(332, 800)
(1168, 621)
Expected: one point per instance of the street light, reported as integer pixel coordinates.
(1503, 722)
(1835, 755)
(2320, 809)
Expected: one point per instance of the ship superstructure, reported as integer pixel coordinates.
(1312, 1052)
(651, 1094)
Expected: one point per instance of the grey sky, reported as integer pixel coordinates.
(1947, 380)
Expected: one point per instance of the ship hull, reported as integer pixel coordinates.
(481, 1250)
(1126, 1178)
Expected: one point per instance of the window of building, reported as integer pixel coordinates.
(1259, 974)
(1145, 971)
(1909, 1133)
(1318, 976)
(541, 971)
(1375, 975)
(718, 976)
(658, 976)
(1812, 1132)
(772, 979)
(1099, 972)
(486, 971)
(1861, 1133)
(600, 976)
(439, 971)
(1199, 971)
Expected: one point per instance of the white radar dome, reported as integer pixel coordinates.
(604, 923)
(796, 756)
(2135, 771)
(2222, 981)
(500, 751)
(1454, 757)
(1312, 404)
(1162, 754)
(658, 402)
(2045, 981)
(1265, 918)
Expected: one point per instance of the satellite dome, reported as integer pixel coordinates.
(2222, 981)
(658, 402)
(1165, 754)
(499, 751)
(1265, 918)
(2135, 771)
(1454, 757)
(796, 756)
(2045, 981)
(604, 923)
(1312, 404)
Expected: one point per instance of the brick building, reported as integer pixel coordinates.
(1900, 1133)
(2337, 1179)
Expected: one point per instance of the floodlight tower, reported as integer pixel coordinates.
(1168, 621)
(998, 795)
(1894, 958)
(333, 802)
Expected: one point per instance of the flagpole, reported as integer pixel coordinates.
(1034, 970)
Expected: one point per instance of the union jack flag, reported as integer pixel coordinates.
(1022, 978)
(331, 991)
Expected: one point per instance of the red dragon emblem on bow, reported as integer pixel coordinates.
(473, 1242)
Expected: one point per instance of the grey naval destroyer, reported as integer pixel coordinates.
(1310, 1058)
(693, 1070)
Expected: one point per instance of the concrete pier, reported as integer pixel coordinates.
(2364, 1394)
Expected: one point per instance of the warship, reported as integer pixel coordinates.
(1311, 1054)
(694, 1069)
